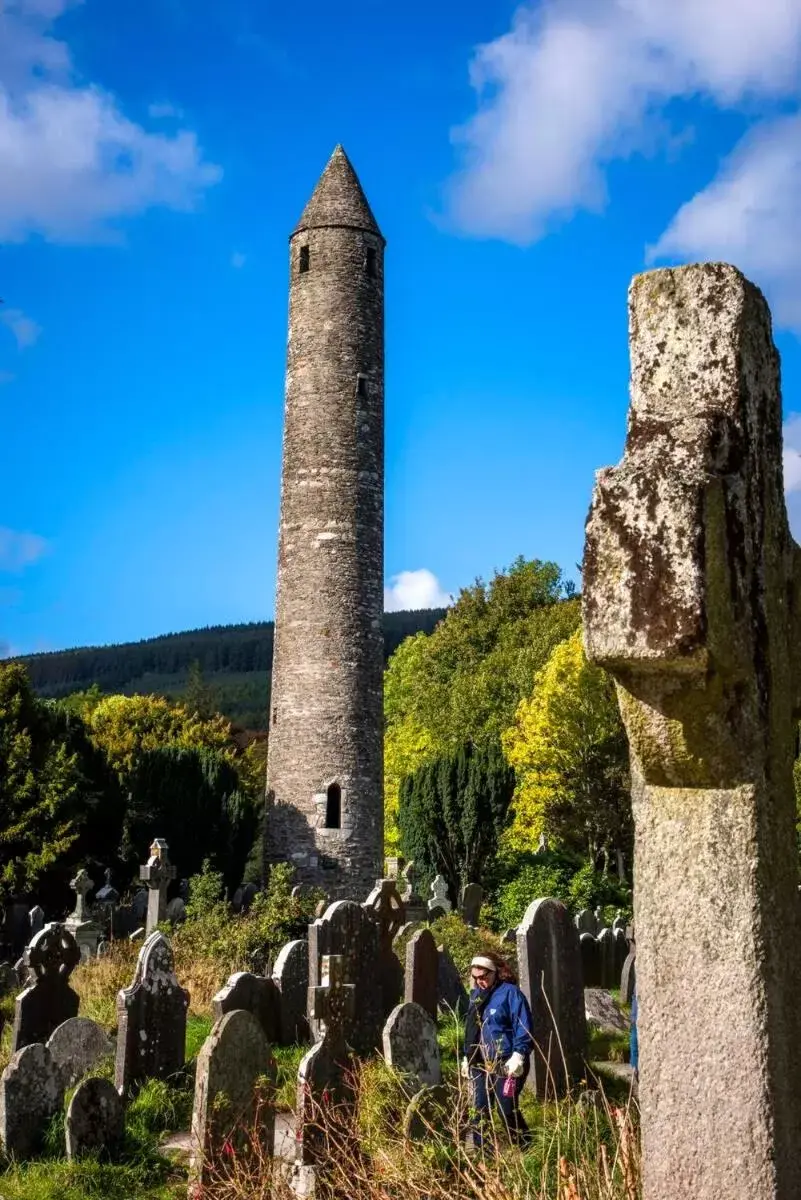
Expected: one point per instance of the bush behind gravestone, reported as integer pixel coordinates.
(463, 942)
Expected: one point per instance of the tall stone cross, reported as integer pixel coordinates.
(157, 873)
(692, 599)
(333, 1002)
(82, 886)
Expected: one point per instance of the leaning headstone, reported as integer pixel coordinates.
(691, 586)
(451, 994)
(601, 1011)
(470, 901)
(36, 918)
(158, 872)
(48, 999)
(550, 976)
(76, 1047)
(590, 960)
(95, 1121)
(439, 896)
(325, 1074)
(628, 977)
(348, 931)
(234, 1086)
(256, 995)
(151, 1019)
(422, 972)
(291, 977)
(411, 1046)
(31, 1093)
(389, 912)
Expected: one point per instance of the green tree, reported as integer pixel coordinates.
(40, 785)
(569, 751)
(452, 812)
(199, 697)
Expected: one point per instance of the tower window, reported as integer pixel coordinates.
(361, 385)
(333, 806)
(303, 263)
(372, 269)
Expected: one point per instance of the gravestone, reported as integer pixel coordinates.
(601, 1011)
(348, 931)
(621, 953)
(175, 911)
(158, 873)
(439, 901)
(619, 922)
(36, 920)
(590, 960)
(48, 999)
(411, 1046)
(243, 897)
(389, 912)
(422, 972)
(95, 1121)
(291, 977)
(30, 1094)
(428, 1113)
(416, 909)
(77, 1046)
(607, 958)
(470, 901)
(151, 1019)
(585, 922)
(628, 977)
(325, 1083)
(233, 1105)
(9, 980)
(549, 959)
(138, 908)
(22, 973)
(80, 924)
(108, 894)
(451, 994)
(691, 589)
(256, 995)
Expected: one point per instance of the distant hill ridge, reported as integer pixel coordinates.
(235, 660)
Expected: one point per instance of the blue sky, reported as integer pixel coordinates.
(523, 163)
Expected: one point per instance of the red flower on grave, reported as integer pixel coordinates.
(228, 1148)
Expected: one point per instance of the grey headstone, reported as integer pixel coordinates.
(325, 1074)
(291, 977)
(586, 922)
(77, 1046)
(48, 999)
(9, 979)
(470, 901)
(234, 1085)
(139, 906)
(30, 1093)
(549, 959)
(628, 977)
(388, 910)
(621, 951)
(36, 917)
(256, 995)
(590, 960)
(608, 958)
(602, 1011)
(348, 931)
(451, 994)
(151, 1018)
(176, 910)
(411, 1047)
(95, 1119)
(422, 972)
(439, 896)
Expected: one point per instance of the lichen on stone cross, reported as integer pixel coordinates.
(334, 1000)
(81, 885)
(692, 600)
(158, 872)
(439, 892)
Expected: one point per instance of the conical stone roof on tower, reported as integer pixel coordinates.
(338, 200)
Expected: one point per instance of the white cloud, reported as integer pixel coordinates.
(750, 215)
(238, 260)
(71, 163)
(19, 550)
(577, 83)
(24, 329)
(162, 112)
(415, 589)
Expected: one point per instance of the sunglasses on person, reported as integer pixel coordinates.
(479, 973)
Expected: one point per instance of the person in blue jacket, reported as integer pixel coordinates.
(497, 1045)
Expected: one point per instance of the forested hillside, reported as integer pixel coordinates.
(234, 661)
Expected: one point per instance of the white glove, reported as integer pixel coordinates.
(465, 1069)
(514, 1065)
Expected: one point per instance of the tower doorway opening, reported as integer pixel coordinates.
(333, 806)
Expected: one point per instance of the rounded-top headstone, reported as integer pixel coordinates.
(77, 1045)
(95, 1119)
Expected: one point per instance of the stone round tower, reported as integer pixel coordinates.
(325, 755)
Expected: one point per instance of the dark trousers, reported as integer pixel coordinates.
(487, 1092)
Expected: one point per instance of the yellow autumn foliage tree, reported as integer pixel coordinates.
(569, 751)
